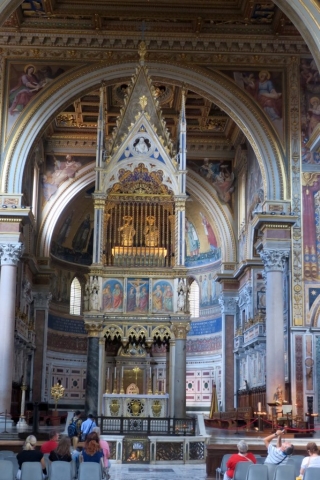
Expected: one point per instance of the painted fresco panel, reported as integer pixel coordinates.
(310, 107)
(220, 175)
(59, 169)
(137, 295)
(112, 295)
(162, 296)
(311, 225)
(266, 88)
(25, 83)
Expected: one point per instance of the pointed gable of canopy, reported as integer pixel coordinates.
(141, 139)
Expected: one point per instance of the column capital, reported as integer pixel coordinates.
(93, 329)
(10, 253)
(228, 304)
(180, 330)
(41, 300)
(274, 260)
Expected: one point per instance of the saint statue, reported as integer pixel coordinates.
(127, 231)
(151, 232)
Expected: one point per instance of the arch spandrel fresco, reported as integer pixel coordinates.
(310, 108)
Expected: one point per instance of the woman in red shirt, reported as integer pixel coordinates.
(242, 456)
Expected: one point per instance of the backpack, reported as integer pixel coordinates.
(72, 430)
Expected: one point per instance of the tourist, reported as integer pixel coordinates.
(62, 453)
(92, 451)
(87, 427)
(313, 460)
(106, 451)
(29, 454)
(74, 429)
(281, 452)
(242, 456)
(52, 443)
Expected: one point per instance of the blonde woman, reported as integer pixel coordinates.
(29, 454)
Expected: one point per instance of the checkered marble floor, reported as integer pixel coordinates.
(157, 472)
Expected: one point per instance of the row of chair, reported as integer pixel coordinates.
(57, 471)
(268, 471)
(294, 460)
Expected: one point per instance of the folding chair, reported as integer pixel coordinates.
(271, 470)
(257, 472)
(285, 472)
(6, 470)
(14, 461)
(31, 471)
(312, 473)
(60, 470)
(220, 471)
(89, 470)
(241, 470)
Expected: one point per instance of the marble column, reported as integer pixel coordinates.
(274, 263)
(92, 379)
(172, 356)
(9, 256)
(102, 373)
(180, 331)
(41, 299)
(228, 303)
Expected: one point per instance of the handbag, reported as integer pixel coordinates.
(84, 434)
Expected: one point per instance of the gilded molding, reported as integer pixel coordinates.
(180, 330)
(297, 292)
(93, 329)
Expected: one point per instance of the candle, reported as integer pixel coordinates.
(150, 372)
(115, 372)
(259, 406)
(122, 372)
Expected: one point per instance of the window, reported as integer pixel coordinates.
(75, 297)
(194, 300)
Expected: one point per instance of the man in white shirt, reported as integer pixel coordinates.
(281, 452)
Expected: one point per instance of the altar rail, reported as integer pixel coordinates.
(147, 426)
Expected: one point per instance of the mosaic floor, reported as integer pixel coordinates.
(157, 472)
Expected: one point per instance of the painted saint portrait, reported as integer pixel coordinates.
(112, 295)
(138, 295)
(192, 240)
(266, 88)
(25, 82)
(310, 108)
(162, 297)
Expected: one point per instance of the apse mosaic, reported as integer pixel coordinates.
(162, 296)
(112, 295)
(137, 295)
(209, 289)
(266, 88)
(310, 107)
(201, 241)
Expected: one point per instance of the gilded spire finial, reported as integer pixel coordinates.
(142, 50)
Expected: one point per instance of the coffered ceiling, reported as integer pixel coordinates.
(113, 23)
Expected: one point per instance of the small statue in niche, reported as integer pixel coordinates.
(182, 289)
(151, 232)
(91, 297)
(142, 145)
(127, 231)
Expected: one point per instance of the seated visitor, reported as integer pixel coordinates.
(281, 452)
(29, 454)
(62, 453)
(106, 451)
(242, 456)
(92, 451)
(51, 444)
(313, 460)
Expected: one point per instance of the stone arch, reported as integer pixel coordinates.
(212, 85)
(137, 331)
(113, 330)
(315, 313)
(162, 332)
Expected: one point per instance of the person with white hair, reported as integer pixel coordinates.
(242, 456)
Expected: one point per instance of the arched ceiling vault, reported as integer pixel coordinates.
(213, 85)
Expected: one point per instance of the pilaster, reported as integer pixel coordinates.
(180, 331)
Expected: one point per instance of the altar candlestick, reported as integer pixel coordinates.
(259, 406)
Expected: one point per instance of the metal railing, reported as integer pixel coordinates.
(147, 425)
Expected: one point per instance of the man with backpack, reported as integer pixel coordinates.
(74, 429)
(87, 427)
